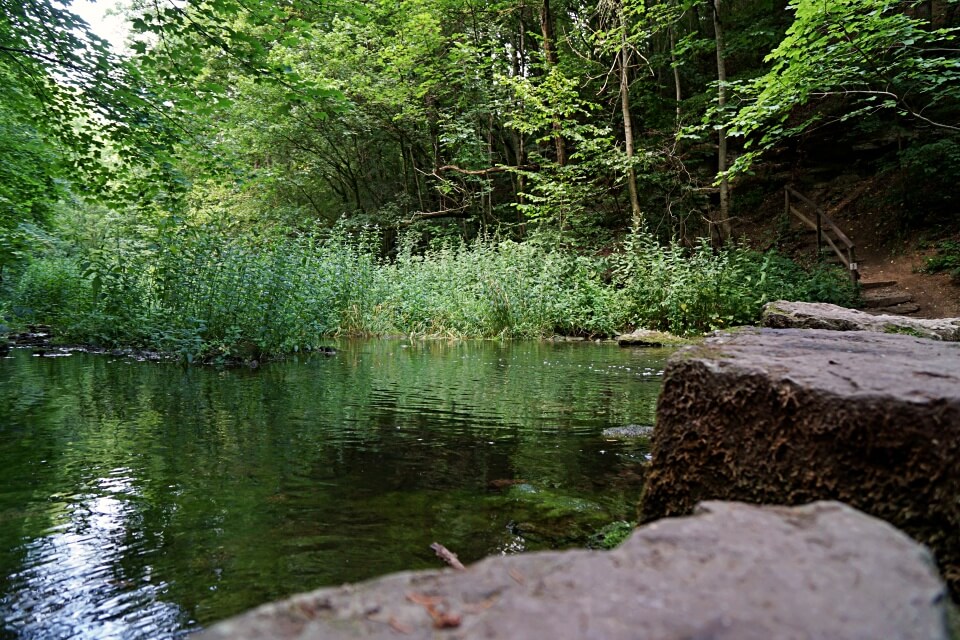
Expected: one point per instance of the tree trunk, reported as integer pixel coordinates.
(676, 73)
(550, 56)
(636, 214)
(721, 222)
(520, 71)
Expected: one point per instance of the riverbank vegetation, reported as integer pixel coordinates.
(248, 180)
(205, 295)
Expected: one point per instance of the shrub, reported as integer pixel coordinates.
(688, 291)
(205, 295)
(946, 259)
(52, 291)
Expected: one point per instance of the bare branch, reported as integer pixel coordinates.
(484, 172)
(447, 556)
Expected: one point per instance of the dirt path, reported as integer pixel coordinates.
(934, 293)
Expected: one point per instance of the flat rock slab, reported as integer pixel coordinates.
(650, 338)
(795, 415)
(820, 315)
(732, 571)
(891, 300)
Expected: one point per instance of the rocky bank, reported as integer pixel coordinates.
(731, 571)
(794, 415)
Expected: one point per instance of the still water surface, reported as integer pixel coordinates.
(147, 500)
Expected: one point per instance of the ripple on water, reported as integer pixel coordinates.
(144, 500)
(72, 583)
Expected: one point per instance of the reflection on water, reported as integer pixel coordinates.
(144, 500)
(73, 584)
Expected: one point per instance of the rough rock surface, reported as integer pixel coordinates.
(650, 338)
(820, 315)
(794, 415)
(629, 432)
(733, 571)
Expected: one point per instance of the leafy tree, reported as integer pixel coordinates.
(93, 104)
(28, 186)
(850, 59)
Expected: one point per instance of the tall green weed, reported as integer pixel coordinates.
(205, 295)
(693, 290)
(52, 290)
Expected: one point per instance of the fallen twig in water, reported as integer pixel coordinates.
(447, 556)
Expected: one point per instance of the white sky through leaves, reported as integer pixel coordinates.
(104, 18)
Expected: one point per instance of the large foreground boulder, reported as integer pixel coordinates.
(733, 571)
(820, 315)
(795, 415)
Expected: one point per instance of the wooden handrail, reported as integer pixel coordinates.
(821, 221)
(823, 215)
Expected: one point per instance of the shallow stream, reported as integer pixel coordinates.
(147, 500)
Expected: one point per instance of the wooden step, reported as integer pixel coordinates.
(877, 284)
(875, 302)
(903, 309)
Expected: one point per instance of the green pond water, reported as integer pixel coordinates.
(148, 500)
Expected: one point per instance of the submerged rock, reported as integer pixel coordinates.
(731, 571)
(789, 416)
(551, 517)
(629, 431)
(820, 315)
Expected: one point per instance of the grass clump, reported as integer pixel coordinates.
(947, 258)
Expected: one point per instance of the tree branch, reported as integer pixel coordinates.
(488, 171)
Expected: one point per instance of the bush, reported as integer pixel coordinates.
(52, 291)
(946, 259)
(505, 289)
(691, 291)
(204, 295)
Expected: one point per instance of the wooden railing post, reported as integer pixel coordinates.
(854, 267)
(834, 237)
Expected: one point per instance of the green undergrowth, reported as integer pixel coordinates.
(206, 296)
(612, 535)
(946, 258)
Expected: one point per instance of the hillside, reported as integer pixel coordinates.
(893, 240)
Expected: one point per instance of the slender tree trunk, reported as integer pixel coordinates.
(520, 71)
(416, 179)
(635, 212)
(550, 55)
(406, 177)
(722, 223)
(676, 72)
(490, 162)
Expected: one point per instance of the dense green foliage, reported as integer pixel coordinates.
(868, 57)
(202, 296)
(249, 178)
